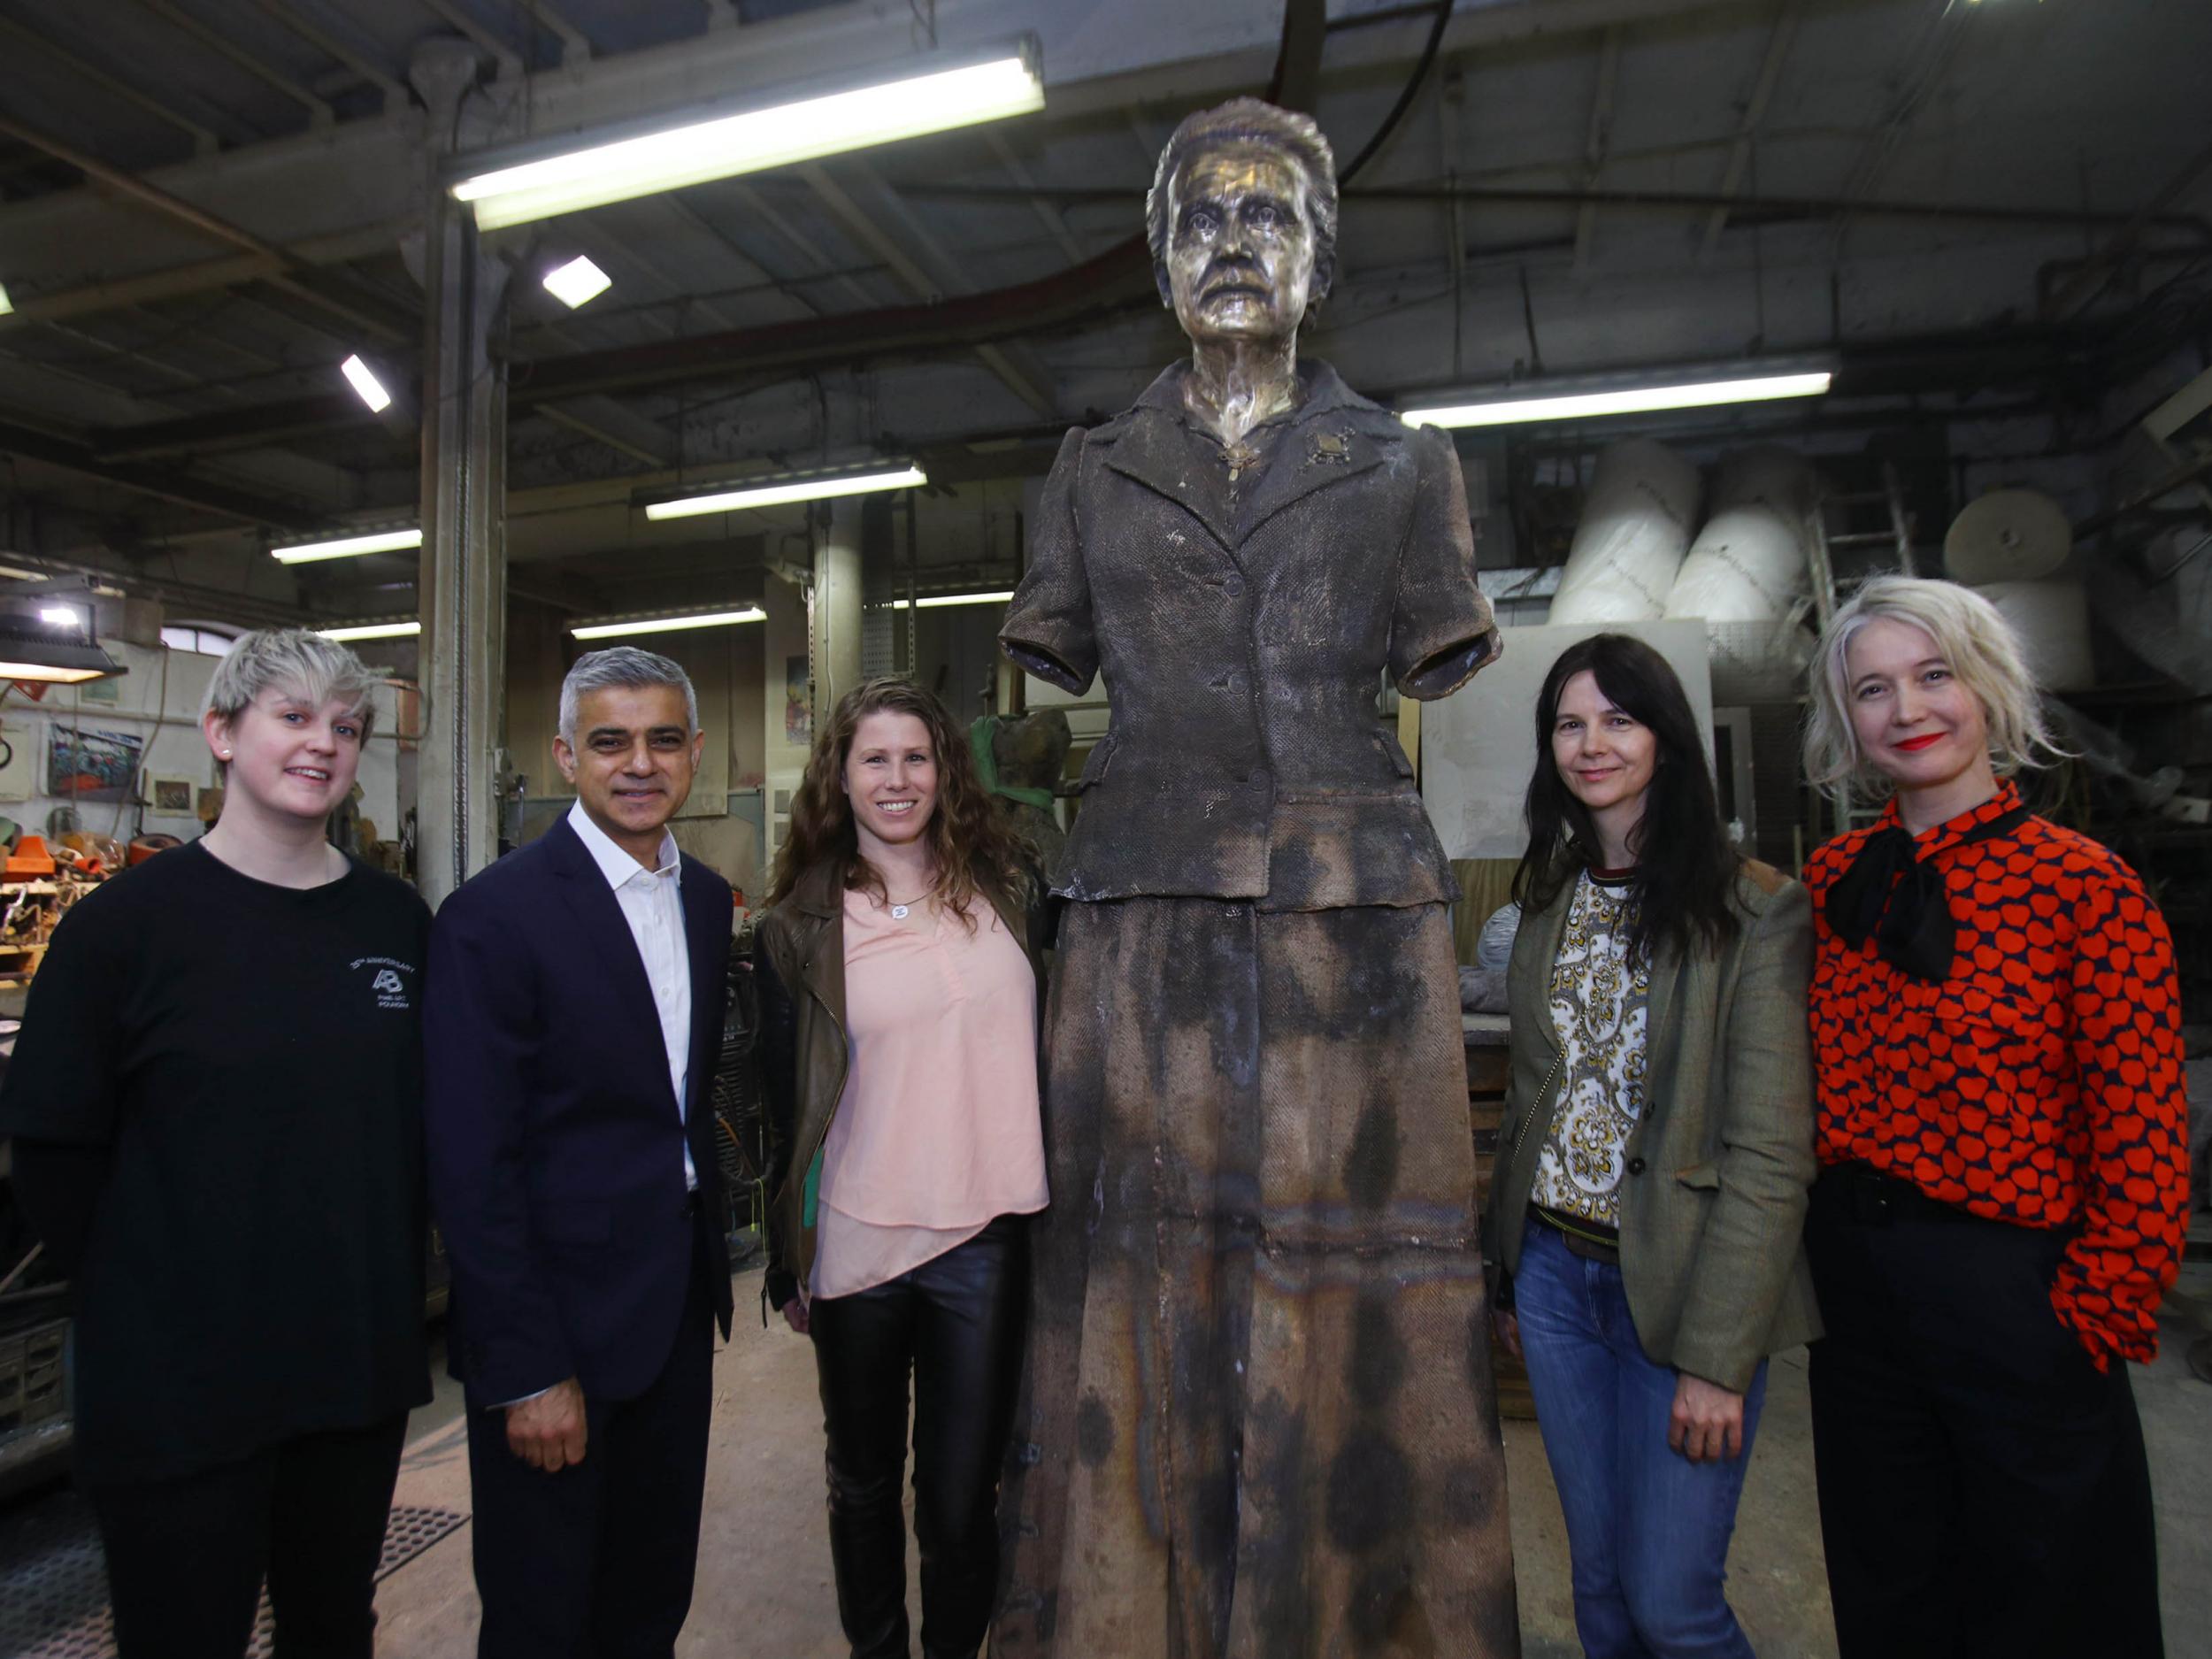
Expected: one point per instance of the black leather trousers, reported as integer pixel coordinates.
(956, 1322)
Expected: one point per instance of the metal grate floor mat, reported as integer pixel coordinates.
(54, 1585)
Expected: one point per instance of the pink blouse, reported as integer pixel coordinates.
(937, 1131)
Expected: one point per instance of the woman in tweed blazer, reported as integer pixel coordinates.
(1650, 1189)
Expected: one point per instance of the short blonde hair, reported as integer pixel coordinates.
(298, 663)
(1971, 634)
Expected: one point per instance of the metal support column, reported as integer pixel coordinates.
(462, 585)
(836, 614)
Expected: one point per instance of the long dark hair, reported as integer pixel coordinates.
(975, 848)
(1680, 897)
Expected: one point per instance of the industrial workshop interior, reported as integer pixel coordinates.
(1105, 829)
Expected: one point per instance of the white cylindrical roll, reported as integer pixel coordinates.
(2052, 619)
(1748, 563)
(1635, 528)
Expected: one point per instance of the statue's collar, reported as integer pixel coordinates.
(1323, 391)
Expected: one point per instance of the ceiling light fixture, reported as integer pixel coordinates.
(577, 282)
(802, 130)
(929, 601)
(787, 488)
(363, 381)
(6, 304)
(374, 631)
(61, 616)
(32, 651)
(621, 627)
(1516, 409)
(348, 547)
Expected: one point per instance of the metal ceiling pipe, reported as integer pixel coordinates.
(462, 588)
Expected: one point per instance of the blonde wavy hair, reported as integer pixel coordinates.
(1971, 636)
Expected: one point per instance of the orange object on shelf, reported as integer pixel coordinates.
(29, 860)
(146, 846)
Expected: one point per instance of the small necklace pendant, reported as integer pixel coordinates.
(898, 912)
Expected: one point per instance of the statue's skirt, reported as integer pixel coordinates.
(1258, 1420)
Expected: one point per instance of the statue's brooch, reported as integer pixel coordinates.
(1331, 446)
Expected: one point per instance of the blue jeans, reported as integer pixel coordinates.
(1647, 1528)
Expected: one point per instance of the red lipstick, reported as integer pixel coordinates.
(1914, 745)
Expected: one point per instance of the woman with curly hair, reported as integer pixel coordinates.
(1996, 1028)
(899, 978)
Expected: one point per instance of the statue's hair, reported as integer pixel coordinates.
(1249, 121)
(1974, 641)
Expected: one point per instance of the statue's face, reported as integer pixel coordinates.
(1240, 254)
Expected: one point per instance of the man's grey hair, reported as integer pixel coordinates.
(623, 668)
(1249, 121)
(298, 664)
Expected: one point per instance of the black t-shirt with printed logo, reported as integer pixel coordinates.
(240, 1067)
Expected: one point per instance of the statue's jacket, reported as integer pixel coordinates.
(1242, 617)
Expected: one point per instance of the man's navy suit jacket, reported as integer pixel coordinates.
(555, 1157)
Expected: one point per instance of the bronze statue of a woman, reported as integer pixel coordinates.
(1259, 1420)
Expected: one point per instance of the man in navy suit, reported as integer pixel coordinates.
(572, 1023)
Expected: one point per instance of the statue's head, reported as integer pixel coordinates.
(1241, 216)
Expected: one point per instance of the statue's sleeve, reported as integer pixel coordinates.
(1047, 629)
(1440, 628)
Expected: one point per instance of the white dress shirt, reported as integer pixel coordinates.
(652, 904)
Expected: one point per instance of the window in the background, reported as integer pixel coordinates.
(206, 641)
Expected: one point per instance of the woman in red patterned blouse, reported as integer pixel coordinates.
(1996, 1038)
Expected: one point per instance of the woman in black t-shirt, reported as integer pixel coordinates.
(216, 1104)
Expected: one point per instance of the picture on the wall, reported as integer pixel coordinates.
(798, 703)
(171, 794)
(100, 767)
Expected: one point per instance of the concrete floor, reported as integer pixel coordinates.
(764, 1569)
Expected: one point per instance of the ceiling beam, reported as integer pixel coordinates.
(177, 487)
(921, 264)
(319, 112)
(575, 48)
(619, 428)
(1596, 141)
(207, 276)
(1754, 110)
(204, 142)
(373, 315)
(508, 60)
(286, 12)
(1048, 215)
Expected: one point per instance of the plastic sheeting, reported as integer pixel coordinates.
(1748, 563)
(1636, 525)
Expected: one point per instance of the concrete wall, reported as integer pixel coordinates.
(159, 702)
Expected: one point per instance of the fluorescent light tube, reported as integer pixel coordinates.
(17, 574)
(929, 601)
(821, 488)
(371, 389)
(1625, 400)
(666, 625)
(804, 129)
(374, 631)
(349, 545)
(62, 616)
(6, 304)
(577, 282)
(53, 676)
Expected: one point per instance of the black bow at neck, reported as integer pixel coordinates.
(1898, 899)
